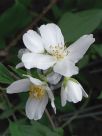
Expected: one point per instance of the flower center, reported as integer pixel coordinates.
(59, 52)
(36, 91)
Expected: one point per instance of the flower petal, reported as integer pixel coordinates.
(40, 61)
(66, 68)
(19, 86)
(21, 52)
(53, 78)
(84, 93)
(51, 96)
(63, 96)
(34, 80)
(19, 65)
(79, 48)
(35, 107)
(74, 92)
(33, 41)
(51, 35)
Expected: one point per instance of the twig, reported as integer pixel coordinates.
(34, 22)
(63, 117)
(50, 119)
(90, 115)
(76, 113)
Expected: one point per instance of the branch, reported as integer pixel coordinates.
(5, 51)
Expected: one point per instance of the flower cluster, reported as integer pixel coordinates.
(47, 50)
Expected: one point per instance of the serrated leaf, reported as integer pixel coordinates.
(74, 25)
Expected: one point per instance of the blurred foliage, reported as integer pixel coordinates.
(17, 129)
(75, 25)
(76, 18)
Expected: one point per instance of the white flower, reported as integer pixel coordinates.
(38, 95)
(72, 91)
(36, 57)
(53, 78)
(20, 54)
(59, 57)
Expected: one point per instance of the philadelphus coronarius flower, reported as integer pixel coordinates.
(72, 91)
(39, 92)
(47, 49)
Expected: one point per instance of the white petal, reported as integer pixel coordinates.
(63, 96)
(53, 78)
(34, 80)
(51, 35)
(21, 52)
(66, 68)
(74, 92)
(35, 107)
(79, 48)
(19, 65)
(40, 61)
(19, 86)
(33, 41)
(51, 96)
(84, 93)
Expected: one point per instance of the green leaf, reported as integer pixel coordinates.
(85, 4)
(57, 11)
(83, 62)
(19, 72)
(25, 2)
(74, 25)
(100, 96)
(5, 114)
(36, 129)
(13, 20)
(2, 43)
(68, 108)
(98, 49)
(5, 76)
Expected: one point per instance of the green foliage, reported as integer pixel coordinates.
(100, 95)
(75, 21)
(68, 108)
(74, 25)
(13, 20)
(86, 4)
(25, 2)
(5, 76)
(83, 62)
(2, 43)
(98, 49)
(36, 129)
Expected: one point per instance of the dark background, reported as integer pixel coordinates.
(84, 17)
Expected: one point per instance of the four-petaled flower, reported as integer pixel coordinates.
(44, 50)
(48, 49)
(39, 92)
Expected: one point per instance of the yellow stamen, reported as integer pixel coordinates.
(36, 91)
(59, 52)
